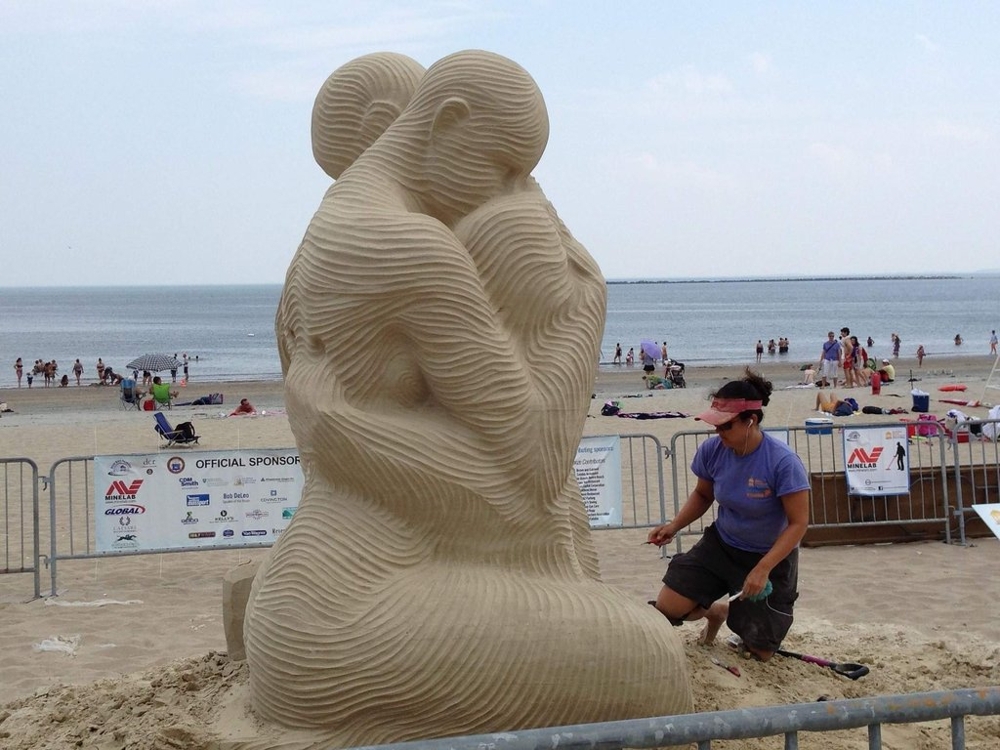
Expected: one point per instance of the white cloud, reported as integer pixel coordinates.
(761, 63)
(926, 43)
(690, 80)
(960, 133)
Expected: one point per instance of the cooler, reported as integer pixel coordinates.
(921, 401)
(819, 426)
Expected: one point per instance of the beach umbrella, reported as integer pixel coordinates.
(154, 363)
(650, 348)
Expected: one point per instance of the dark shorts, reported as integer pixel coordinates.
(713, 569)
(649, 368)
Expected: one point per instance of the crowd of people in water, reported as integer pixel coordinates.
(48, 373)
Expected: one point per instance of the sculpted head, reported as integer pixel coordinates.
(480, 123)
(357, 103)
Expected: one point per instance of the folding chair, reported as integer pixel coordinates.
(183, 434)
(128, 395)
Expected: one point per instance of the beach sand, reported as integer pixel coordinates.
(132, 652)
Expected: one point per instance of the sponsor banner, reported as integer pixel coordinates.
(877, 462)
(198, 499)
(990, 513)
(598, 469)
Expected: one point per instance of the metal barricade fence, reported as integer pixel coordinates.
(832, 507)
(770, 721)
(20, 544)
(71, 519)
(643, 498)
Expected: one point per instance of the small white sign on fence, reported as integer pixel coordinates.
(877, 461)
(990, 513)
(598, 469)
(199, 499)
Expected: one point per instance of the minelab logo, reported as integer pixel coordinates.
(862, 459)
(121, 491)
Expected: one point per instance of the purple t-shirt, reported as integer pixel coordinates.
(749, 489)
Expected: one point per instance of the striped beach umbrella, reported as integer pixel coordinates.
(154, 363)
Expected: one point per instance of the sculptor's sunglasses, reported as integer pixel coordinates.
(725, 426)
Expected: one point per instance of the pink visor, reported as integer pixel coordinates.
(726, 410)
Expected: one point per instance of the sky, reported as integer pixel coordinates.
(167, 141)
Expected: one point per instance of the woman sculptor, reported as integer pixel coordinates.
(751, 550)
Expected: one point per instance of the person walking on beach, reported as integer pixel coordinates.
(993, 342)
(173, 371)
(896, 341)
(100, 371)
(185, 365)
(77, 370)
(761, 490)
(829, 361)
(760, 349)
(920, 355)
(630, 357)
(618, 354)
(18, 371)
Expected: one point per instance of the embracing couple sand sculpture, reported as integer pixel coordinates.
(439, 577)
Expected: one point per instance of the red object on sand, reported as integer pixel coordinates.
(952, 387)
(876, 384)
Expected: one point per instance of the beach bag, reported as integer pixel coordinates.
(843, 409)
(610, 409)
(853, 403)
(186, 429)
(927, 425)
(871, 410)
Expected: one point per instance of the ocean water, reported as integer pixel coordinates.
(230, 329)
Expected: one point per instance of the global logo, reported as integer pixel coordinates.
(175, 464)
(126, 510)
(120, 468)
(121, 491)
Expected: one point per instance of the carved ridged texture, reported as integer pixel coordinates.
(439, 577)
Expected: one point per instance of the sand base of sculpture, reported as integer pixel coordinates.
(455, 651)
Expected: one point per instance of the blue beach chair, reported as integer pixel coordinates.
(183, 434)
(128, 395)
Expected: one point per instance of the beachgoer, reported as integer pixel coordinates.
(828, 403)
(655, 382)
(772, 346)
(648, 362)
(993, 342)
(887, 373)
(30, 377)
(160, 392)
(173, 371)
(64, 381)
(896, 342)
(245, 407)
(870, 342)
(808, 375)
(185, 365)
(663, 352)
(760, 349)
(77, 370)
(848, 356)
(958, 339)
(762, 491)
(630, 357)
(100, 371)
(782, 345)
(829, 361)
(618, 354)
(862, 374)
(920, 355)
(18, 371)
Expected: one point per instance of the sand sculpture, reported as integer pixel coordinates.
(436, 331)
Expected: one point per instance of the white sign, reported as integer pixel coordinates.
(198, 499)
(876, 459)
(990, 513)
(598, 469)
